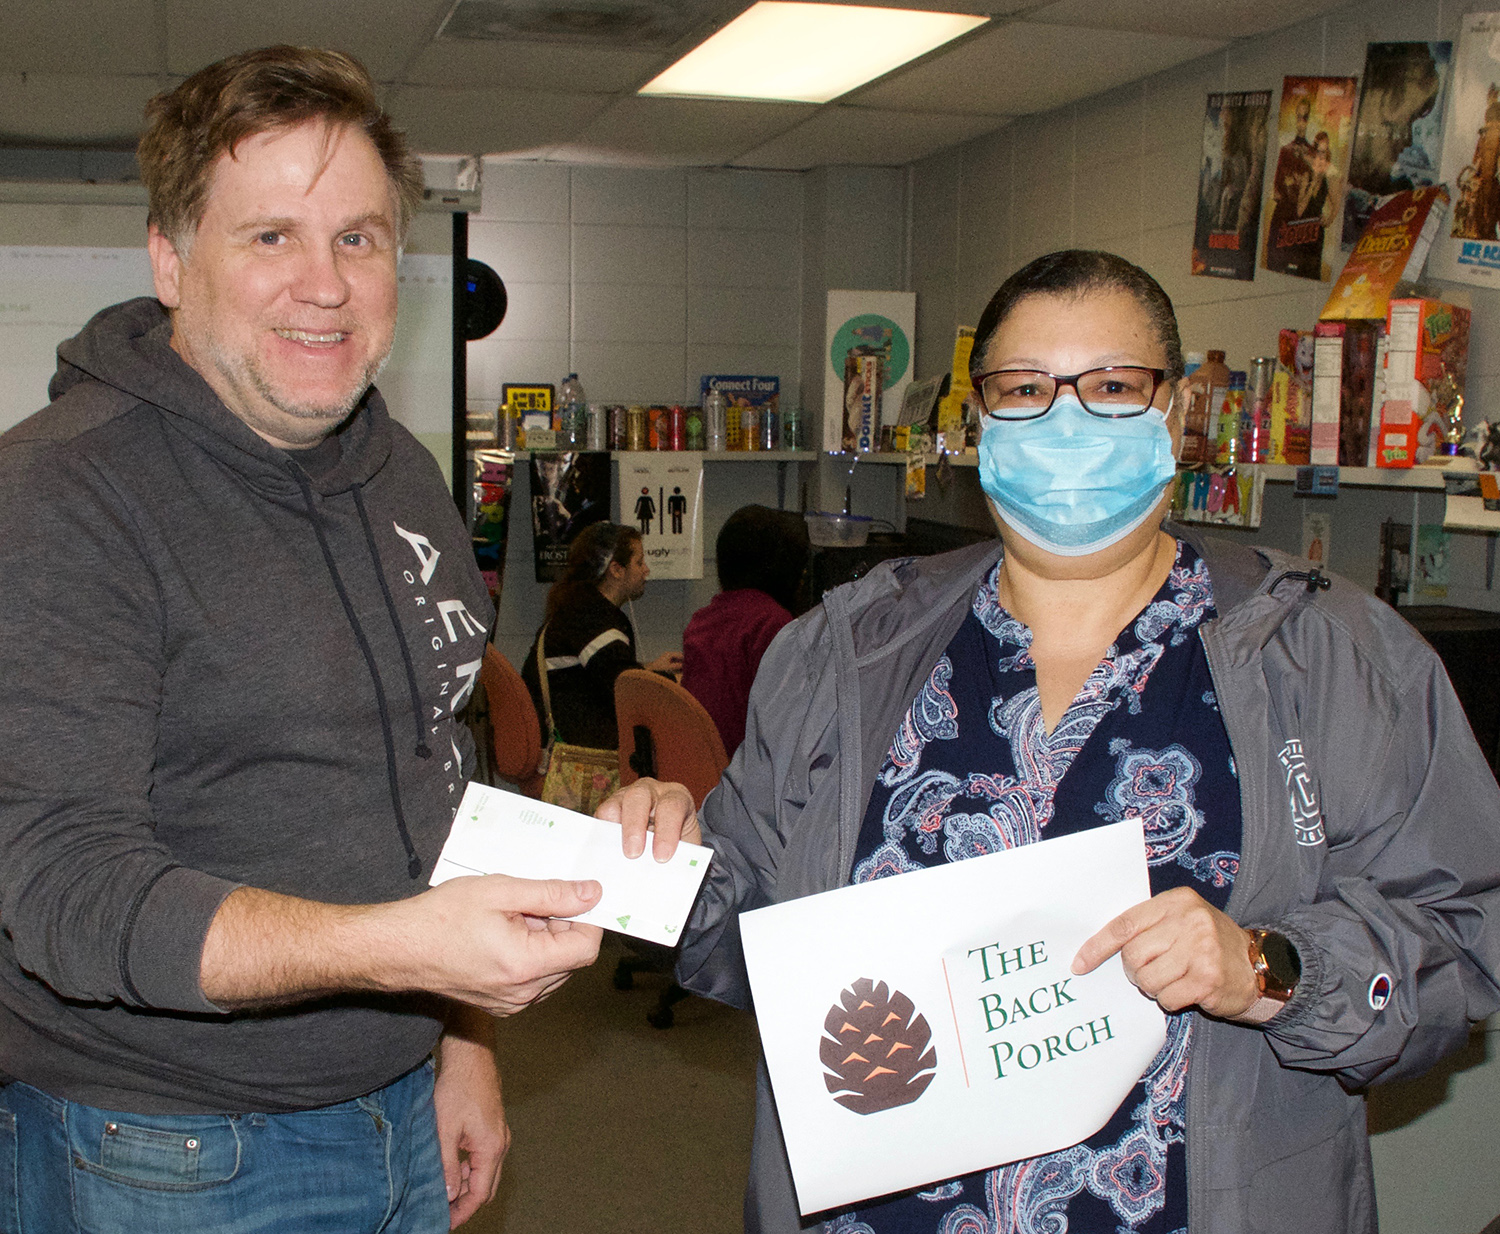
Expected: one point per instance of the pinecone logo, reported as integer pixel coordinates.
(877, 1047)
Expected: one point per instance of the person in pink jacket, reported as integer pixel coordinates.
(762, 555)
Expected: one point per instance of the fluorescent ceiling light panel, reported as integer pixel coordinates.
(806, 53)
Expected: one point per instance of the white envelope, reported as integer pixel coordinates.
(496, 832)
(921, 1027)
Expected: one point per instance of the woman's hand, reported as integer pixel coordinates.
(667, 662)
(1181, 951)
(665, 810)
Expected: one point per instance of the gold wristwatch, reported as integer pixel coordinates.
(1278, 968)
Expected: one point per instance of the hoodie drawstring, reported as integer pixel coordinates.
(422, 750)
(413, 862)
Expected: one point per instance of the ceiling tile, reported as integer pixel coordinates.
(865, 135)
(384, 34)
(441, 121)
(688, 132)
(96, 36)
(559, 67)
(1208, 19)
(1022, 68)
(95, 110)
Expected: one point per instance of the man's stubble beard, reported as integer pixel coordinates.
(244, 375)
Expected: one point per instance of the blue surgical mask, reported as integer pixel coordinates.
(1072, 483)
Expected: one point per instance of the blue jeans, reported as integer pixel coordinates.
(370, 1164)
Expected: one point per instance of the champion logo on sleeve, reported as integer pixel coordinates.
(1307, 818)
(1380, 991)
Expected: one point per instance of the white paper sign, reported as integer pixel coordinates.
(496, 832)
(661, 494)
(925, 1026)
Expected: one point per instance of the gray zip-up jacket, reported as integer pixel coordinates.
(1371, 840)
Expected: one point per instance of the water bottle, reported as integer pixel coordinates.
(573, 420)
(715, 420)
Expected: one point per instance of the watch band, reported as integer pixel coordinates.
(1261, 1010)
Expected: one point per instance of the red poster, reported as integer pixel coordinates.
(1310, 175)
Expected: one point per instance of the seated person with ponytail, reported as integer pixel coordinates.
(588, 640)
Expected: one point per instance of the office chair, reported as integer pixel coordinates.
(518, 733)
(664, 733)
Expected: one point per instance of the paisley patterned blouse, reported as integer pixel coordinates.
(972, 770)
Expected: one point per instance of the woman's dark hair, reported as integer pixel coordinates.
(1076, 272)
(589, 558)
(765, 549)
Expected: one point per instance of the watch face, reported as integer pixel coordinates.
(1281, 958)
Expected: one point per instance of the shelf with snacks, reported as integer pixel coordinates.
(1352, 477)
(1275, 473)
(767, 456)
(930, 459)
(709, 456)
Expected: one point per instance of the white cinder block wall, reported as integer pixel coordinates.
(643, 280)
(1119, 171)
(639, 280)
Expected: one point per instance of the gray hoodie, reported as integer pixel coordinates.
(1371, 839)
(216, 670)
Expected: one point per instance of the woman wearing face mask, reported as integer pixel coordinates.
(1323, 835)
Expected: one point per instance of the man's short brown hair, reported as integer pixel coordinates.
(256, 92)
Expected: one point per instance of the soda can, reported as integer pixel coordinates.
(635, 430)
(658, 434)
(770, 429)
(598, 431)
(619, 428)
(749, 423)
(677, 428)
(791, 429)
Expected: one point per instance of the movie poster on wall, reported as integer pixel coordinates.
(661, 495)
(569, 490)
(1399, 133)
(1468, 251)
(884, 320)
(1229, 184)
(1309, 175)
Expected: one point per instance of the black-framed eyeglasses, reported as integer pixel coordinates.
(1112, 393)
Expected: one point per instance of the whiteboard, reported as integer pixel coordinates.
(48, 293)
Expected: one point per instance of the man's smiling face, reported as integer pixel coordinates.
(285, 297)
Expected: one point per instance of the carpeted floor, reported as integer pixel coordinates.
(618, 1127)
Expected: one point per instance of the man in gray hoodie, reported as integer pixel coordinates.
(238, 615)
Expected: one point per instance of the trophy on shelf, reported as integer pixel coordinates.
(1448, 407)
